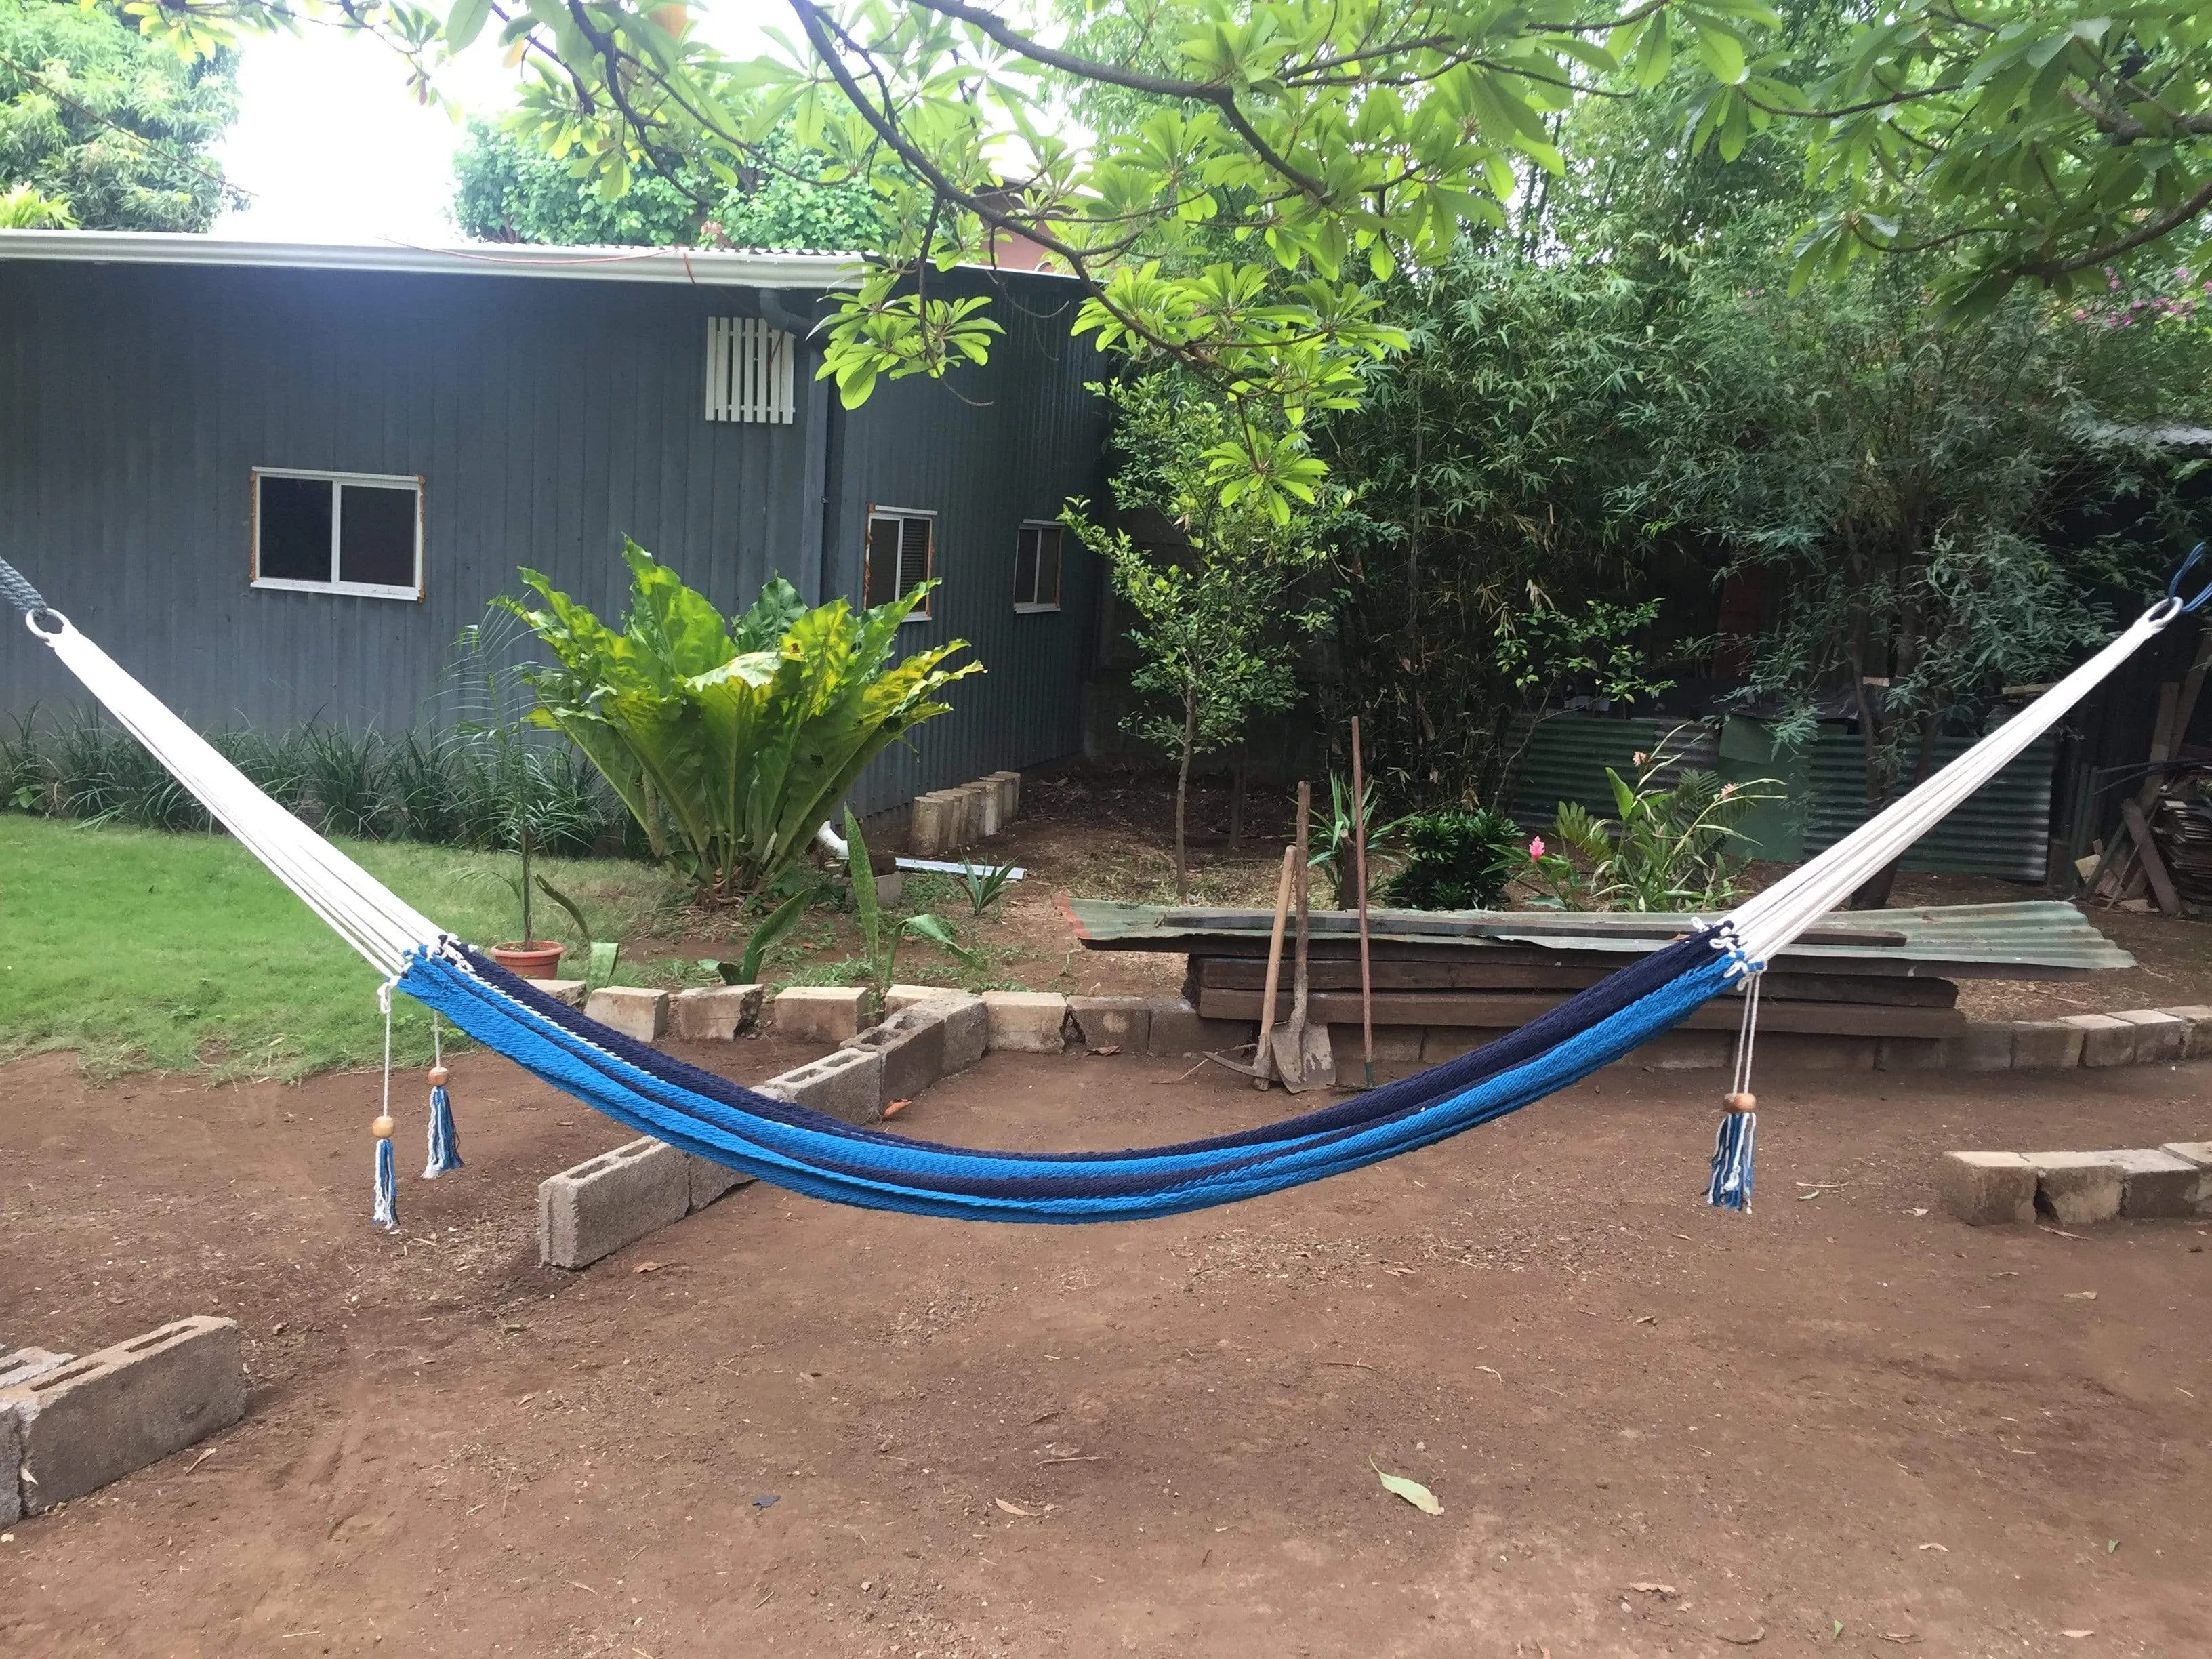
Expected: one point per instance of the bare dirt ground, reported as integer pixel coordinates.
(1844, 1423)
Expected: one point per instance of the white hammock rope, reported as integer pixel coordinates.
(388, 930)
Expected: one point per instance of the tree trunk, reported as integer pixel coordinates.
(1183, 797)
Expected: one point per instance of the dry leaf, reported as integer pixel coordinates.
(1110, 1050)
(893, 1108)
(1655, 1590)
(1946, 1548)
(1016, 1509)
(2077, 1634)
(2080, 1296)
(1758, 1635)
(647, 1267)
(1412, 1490)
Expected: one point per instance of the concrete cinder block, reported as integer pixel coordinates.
(2160, 1038)
(912, 1045)
(984, 794)
(713, 1013)
(2105, 1040)
(1027, 1022)
(2197, 1043)
(633, 1010)
(1010, 795)
(2155, 1183)
(845, 1083)
(11, 1464)
(610, 1201)
(708, 1180)
(905, 996)
(1986, 1189)
(932, 824)
(570, 991)
(2198, 1152)
(2078, 1188)
(831, 1013)
(967, 1023)
(1175, 1027)
(1912, 1054)
(1392, 1043)
(97, 1419)
(1983, 1046)
(23, 1365)
(2046, 1045)
(1123, 1023)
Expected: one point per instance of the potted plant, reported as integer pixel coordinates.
(532, 958)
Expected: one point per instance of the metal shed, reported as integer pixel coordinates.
(542, 403)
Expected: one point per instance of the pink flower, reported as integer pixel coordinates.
(1536, 848)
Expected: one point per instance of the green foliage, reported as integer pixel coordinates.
(880, 934)
(730, 743)
(1218, 621)
(1666, 848)
(1335, 849)
(986, 886)
(215, 967)
(1457, 860)
(509, 187)
(746, 970)
(102, 128)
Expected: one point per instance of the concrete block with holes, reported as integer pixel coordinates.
(2160, 1037)
(1987, 1189)
(95, 1419)
(831, 1012)
(845, 1083)
(911, 1044)
(709, 1181)
(715, 1013)
(966, 1025)
(605, 1202)
(633, 1010)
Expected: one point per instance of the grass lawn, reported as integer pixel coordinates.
(175, 952)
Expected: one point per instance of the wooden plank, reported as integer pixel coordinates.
(1246, 974)
(2154, 864)
(1504, 1012)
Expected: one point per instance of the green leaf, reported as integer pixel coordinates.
(1412, 1490)
(779, 921)
(466, 22)
(600, 972)
(937, 933)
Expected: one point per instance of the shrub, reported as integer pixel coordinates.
(1457, 860)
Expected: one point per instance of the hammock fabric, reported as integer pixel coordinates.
(810, 1152)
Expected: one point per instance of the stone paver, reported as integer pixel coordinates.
(2080, 1189)
(713, 1013)
(1985, 1189)
(1026, 1022)
(633, 1010)
(831, 1013)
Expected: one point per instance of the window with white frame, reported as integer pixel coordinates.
(338, 532)
(1036, 567)
(749, 370)
(902, 551)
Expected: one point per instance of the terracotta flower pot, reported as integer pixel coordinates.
(533, 959)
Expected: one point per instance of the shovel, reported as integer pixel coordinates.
(1258, 1070)
(1301, 1051)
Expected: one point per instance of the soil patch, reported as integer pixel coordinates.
(1843, 1422)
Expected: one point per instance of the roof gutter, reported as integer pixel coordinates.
(693, 267)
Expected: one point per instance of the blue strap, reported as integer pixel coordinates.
(2173, 583)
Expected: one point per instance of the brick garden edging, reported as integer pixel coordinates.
(2078, 1189)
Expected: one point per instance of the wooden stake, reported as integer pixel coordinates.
(1359, 876)
(1261, 1060)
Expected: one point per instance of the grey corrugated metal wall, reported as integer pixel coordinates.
(987, 448)
(549, 419)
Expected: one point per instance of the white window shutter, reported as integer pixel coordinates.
(749, 370)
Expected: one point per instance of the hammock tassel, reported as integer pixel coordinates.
(1730, 1186)
(385, 1211)
(445, 1144)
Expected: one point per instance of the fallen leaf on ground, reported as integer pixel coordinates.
(2080, 1296)
(1758, 1635)
(1946, 1548)
(647, 1267)
(2077, 1634)
(1493, 1370)
(1412, 1490)
(1111, 1048)
(1655, 1590)
(893, 1108)
(2058, 1232)
(1647, 1319)
(1898, 1635)
(1016, 1509)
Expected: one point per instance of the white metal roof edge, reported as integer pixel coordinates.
(701, 267)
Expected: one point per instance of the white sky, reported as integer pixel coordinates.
(335, 149)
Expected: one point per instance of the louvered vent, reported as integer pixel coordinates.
(749, 370)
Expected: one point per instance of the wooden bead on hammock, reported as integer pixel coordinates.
(1741, 1102)
(382, 1128)
(438, 1076)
